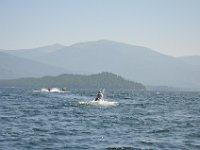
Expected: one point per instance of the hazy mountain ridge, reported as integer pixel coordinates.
(12, 66)
(34, 53)
(132, 62)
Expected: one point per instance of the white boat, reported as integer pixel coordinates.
(99, 103)
(52, 90)
(44, 90)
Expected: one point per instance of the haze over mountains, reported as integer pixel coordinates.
(135, 63)
(15, 67)
(34, 53)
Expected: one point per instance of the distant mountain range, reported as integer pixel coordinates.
(135, 63)
(15, 67)
(35, 53)
(105, 80)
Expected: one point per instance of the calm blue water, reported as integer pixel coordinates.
(143, 120)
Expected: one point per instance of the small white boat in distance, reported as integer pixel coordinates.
(52, 90)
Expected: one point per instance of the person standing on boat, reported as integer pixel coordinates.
(99, 96)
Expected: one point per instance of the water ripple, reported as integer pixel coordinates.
(143, 120)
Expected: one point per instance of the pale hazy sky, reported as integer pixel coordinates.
(169, 26)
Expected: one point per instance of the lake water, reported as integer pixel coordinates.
(143, 120)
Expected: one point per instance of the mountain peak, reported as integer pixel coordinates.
(102, 42)
(54, 47)
(58, 45)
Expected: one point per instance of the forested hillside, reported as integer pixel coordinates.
(96, 81)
